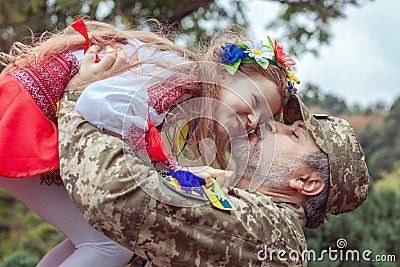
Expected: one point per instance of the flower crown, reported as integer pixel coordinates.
(233, 55)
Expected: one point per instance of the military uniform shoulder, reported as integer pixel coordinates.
(268, 205)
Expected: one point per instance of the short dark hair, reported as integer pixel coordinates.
(314, 206)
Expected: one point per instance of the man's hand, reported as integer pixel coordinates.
(113, 62)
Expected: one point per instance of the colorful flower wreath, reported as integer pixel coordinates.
(233, 55)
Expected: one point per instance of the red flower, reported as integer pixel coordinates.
(282, 58)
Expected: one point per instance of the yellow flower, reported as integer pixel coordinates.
(292, 77)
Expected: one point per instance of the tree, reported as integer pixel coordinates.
(374, 226)
(313, 96)
(23, 233)
(20, 258)
(193, 20)
(382, 144)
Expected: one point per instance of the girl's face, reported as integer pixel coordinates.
(246, 102)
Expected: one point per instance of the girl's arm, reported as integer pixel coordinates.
(113, 61)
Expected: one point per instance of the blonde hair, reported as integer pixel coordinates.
(104, 34)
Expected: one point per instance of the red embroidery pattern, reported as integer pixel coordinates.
(164, 95)
(46, 81)
(51, 177)
(135, 136)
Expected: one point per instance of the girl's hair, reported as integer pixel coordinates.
(104, 34)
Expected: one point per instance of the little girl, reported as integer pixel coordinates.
(34, 81)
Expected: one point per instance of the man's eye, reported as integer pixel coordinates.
(294, 133)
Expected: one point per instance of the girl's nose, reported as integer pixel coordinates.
(252, 120)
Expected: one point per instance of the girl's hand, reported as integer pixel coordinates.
(223, 177)
(113, 62)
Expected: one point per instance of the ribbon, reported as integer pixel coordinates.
(156, 147)
(80, 27)
(188, 181)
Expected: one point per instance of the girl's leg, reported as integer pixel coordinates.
(58, 254)
(53, 204)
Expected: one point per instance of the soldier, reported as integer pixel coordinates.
(319, 168)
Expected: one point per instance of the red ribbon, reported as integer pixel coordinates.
(156, 148)
(80, 27)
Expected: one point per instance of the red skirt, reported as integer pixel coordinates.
(28, 140)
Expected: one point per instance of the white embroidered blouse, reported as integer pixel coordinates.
(123, 101)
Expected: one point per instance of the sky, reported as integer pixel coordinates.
(362, 62)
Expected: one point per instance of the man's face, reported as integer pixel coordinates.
(291, 141)
(273, 154)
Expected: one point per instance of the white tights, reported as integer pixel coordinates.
(84, 245)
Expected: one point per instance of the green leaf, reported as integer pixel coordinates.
(264, 65)
(248, 59)
(271, 44)
(233, 68)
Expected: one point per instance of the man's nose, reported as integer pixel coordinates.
(277, 127)
(271, 126)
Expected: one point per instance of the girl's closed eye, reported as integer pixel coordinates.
(256, 101)
(294, 134)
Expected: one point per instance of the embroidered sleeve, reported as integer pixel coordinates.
(46, 81)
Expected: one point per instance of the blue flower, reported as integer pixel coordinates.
(231, 53)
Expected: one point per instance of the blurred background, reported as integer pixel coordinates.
(348, 63)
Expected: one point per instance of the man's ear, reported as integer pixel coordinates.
(307, 184)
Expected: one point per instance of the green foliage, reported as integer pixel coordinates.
(313, 96)
(374, 226)
(21, 259)
(22, 231)
(189, 18)
(390, 182)
(382, 144)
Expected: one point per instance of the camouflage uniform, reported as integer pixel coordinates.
(95, 173)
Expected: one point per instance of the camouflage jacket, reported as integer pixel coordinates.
(131, 206)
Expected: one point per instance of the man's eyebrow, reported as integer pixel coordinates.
(303, 131)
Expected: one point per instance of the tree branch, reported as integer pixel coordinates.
(190, 7)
